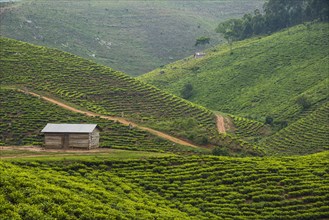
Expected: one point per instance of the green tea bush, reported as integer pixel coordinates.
(183, 187)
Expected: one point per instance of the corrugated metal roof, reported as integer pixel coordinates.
(69, 128)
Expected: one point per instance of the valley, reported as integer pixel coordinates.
(263, 77)
(131, 36)
(238, 131)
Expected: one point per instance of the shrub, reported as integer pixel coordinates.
(268, 120)
(187, 91)
(304, 102)
(220, 151)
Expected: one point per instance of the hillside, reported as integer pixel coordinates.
(23, 117)
(191, 187)
(248, 129)
(307, 135)
(260, 77)
(102, 90)
(94, 87)
(130, 36)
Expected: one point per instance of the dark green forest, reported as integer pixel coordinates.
(276, 15)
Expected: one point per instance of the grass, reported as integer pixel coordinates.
(263, 76)
(130, 36)
(190, 187)
(113, 154)
(19, 153)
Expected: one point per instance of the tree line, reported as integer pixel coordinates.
(276, 15)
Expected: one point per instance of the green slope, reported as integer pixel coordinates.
(100, 89)
(95, 87)
(23, 116)
(166, 188)
(247, 129)
(131, 36)
(48, 194)
(307, 135)
(263, 76)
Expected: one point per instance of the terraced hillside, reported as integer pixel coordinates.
(166, 188)
(98, 88)
(131, 36)
(23, 116)
(307, 135)
(247, 129)
(260, 77)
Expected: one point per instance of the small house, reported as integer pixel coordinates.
(67, 136)
(199, 55)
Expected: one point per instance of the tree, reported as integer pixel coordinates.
(202, 41)
(220, 151)
(269, 120)
(231, 30)
(247, 26)
(187, 91)
(304, 102)
(277, 14)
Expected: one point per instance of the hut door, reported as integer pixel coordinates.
(65, 141)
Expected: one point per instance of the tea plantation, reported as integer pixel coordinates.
(23, 116)
(248, 129)
(272, 93)
(193, 187)
(307, 135)
(102, 90)
(97, 88)
(260, 77)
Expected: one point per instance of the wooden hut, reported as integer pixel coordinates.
(66, 136)
(199, 55)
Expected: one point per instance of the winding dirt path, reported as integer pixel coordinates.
(220, 124)
(118, 119)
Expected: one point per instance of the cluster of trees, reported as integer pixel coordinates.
(277, 14)
(202, 41)
(187, 91)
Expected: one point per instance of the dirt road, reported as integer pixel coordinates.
(220, 123)
(118, 119)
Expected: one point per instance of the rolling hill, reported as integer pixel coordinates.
(307, 135)
(272, 170)
(93, 87)
(23, 116)
(130, 36)
(100, 89)
(193, 187)
(260, 77)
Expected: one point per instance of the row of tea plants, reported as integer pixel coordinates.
(190, 187)
(23, 116)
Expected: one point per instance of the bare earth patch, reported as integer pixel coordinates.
(220, 124)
